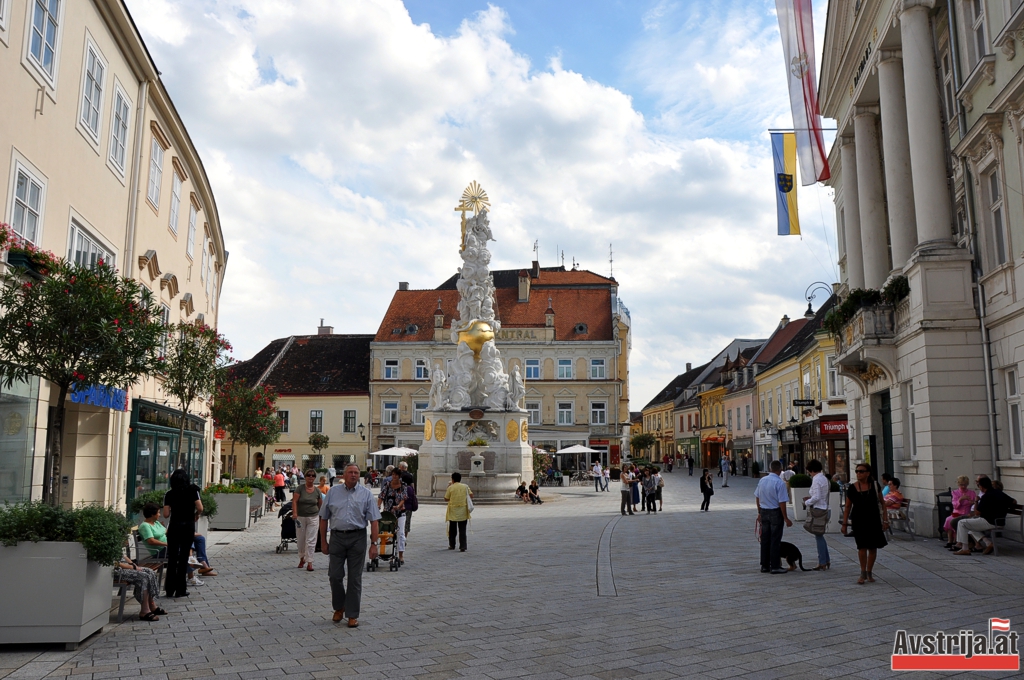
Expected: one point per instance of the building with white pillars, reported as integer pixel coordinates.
(928, 172)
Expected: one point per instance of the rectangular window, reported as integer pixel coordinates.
(28, 206)
(348, 421)
(391, 369)
(119, 130)
(165, 317)
(418, 407)
(192, 215)
(282, 417)
(316, 421)
(43, 39)
(533, 411)
(565, 369)
(807, 383)
(833, 378)
(598, 413)
(789, 403)
(728, 419)
(202, 262)
(977, 46)
(597, 369)
(175, 202)
(533, 369)
(156, 172)
(948, 92)
(209, 268)
(908, 389)
(749, 421)
(1013, 405)
(997, 233)
(86, 251)
(565, 413)
(422, 371)
(92, 91)
(389, 414)
(769, 412)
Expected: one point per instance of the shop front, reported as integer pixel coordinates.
(742, 450)
(714, 449)
(18, 406)
(688, 446)
(789, 448)
(764, 449)
(827, 440)
(153, 445)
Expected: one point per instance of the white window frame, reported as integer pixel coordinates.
(728, 420)
(789, 403)
(176, 184)
(77, 231)
(422, 370)
(769, 413)
(283, 420)
(563, 375)
(5, 15)
(388, 416)
(750, 421)
(48, 77)
(316, 420)
(392, 369)
(418, 409)
(190, 243)
(598, 413)
(833, 376)
(598, 369)
(120, 125)
(165, 318)
(533, 412)
(1013, 414)
(998, 248)
(911, 443)
(571, 411)
(156, 172)
(32, 175)
(94, 85)
(778, 398)
(975, 32)
(202, 263)
(209, 267)
(532, 364)
(948, 91)
(807, 382)
(348, 415)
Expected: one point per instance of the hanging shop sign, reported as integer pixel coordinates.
(838, 427)
(100, 395)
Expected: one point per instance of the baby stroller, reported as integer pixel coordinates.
(386, 528)
(287, 527)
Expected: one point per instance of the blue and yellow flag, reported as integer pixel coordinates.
(784, 153)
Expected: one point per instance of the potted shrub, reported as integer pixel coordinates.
(261, 488)
(55, 567)
(799, 486)
(232, 506)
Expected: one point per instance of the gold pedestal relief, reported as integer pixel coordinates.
(523, 430)
(512, 430)
(440, 431)
(426, 430)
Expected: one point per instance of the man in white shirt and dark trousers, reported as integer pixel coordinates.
(724, 465)
(771, 497)
(596, 473)
(627, 492)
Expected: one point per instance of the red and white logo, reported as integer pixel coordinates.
(964, 650)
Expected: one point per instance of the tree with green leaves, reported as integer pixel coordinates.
(318, 441)
(249, 414)
(641, 442)
(75, 326)
(195, 354)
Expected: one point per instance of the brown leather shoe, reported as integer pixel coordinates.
(338, 615)
(353, 623)
(988, 549)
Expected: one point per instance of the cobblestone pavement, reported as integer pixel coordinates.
(569, 589)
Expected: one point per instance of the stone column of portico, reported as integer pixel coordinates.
(851, 214)
(927, 147)
(899, 185)
(873, 233)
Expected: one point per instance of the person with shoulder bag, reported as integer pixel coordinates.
(865, 506)
(658, 492)
(817, 512)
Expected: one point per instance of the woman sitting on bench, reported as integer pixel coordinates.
(146, 584)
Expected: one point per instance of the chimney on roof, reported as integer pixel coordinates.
(689, 367)
(403, 285)
(524, 286)
(784, 322)
(324, 330)
(549, 315)
(438, 315)
(536, 269)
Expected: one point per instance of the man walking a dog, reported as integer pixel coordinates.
(771, 497)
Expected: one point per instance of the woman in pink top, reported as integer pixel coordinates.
(963, 500)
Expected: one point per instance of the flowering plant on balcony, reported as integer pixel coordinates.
(42, 261)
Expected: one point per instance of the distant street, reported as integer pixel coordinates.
(546, 591)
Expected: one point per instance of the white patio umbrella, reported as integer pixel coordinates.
(577, 450)
(399, 451)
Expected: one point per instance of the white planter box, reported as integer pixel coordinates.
(203, 525)
(232, 512)
(52, 593)
(836, 520)
(796, 498)
(258, 499)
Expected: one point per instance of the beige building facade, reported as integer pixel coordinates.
(96, 163)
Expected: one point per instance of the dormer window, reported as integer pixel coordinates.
(581, 329)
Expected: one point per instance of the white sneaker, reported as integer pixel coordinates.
(194, 582)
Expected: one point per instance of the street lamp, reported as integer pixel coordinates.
(362, 429)
(810, 293)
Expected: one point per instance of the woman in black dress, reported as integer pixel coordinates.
(183, 506)
(865, 505)
(707, 488)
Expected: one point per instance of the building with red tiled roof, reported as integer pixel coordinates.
(566, 330)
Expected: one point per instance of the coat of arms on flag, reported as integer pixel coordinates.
(785, 182)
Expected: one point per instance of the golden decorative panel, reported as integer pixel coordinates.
(512, 430)
(427, 430)
(440, 431)
(523, 431)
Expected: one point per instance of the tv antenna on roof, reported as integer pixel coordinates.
(536, 250)
(611, 263)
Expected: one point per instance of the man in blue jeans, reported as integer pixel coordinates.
(771, 497)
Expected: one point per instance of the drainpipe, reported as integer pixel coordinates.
(986, 343)
(133, 196)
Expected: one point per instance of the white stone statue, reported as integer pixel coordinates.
(439, 391)
(516, 391)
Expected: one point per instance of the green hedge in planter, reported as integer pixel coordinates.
(800, 482)
(102, 531)
(263, 485)
(209, 503)
(229, 488)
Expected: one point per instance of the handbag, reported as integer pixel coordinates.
(817, 521)
(469, 502)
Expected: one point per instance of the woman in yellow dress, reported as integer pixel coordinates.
(457, 515)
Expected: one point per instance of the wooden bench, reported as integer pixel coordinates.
(255, 510)
(122, 592)
(157, 564)
(1011, 526)
(902, 516)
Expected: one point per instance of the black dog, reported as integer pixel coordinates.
(791, 554)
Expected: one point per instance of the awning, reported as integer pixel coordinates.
(714, 440)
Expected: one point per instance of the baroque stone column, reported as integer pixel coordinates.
(899, 185)
(927, 147)
(851, 214)
(873, 232)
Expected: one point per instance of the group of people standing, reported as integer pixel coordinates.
(641, 485)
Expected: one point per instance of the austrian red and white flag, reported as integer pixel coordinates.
(1001, 625)
(796, 25)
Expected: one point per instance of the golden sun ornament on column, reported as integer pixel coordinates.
(473, 198)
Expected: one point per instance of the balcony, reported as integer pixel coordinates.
(866, 344)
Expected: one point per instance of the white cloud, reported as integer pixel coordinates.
(339, 135)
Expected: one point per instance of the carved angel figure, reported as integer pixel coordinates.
(438, 391)
(516, 390)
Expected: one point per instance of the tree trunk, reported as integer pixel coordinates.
(232, 464)
(54, 455)
(181, 436)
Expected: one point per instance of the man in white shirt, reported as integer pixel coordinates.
(627, 492)
(596, 474)
(331, 474)
(790, 471)
(818, 500)
(724, 464)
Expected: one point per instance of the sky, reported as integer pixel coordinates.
(339, 136)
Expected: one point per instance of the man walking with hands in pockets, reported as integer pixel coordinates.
(771, 496)
(349, 507)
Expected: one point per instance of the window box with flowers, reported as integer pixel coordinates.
(24, 255)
